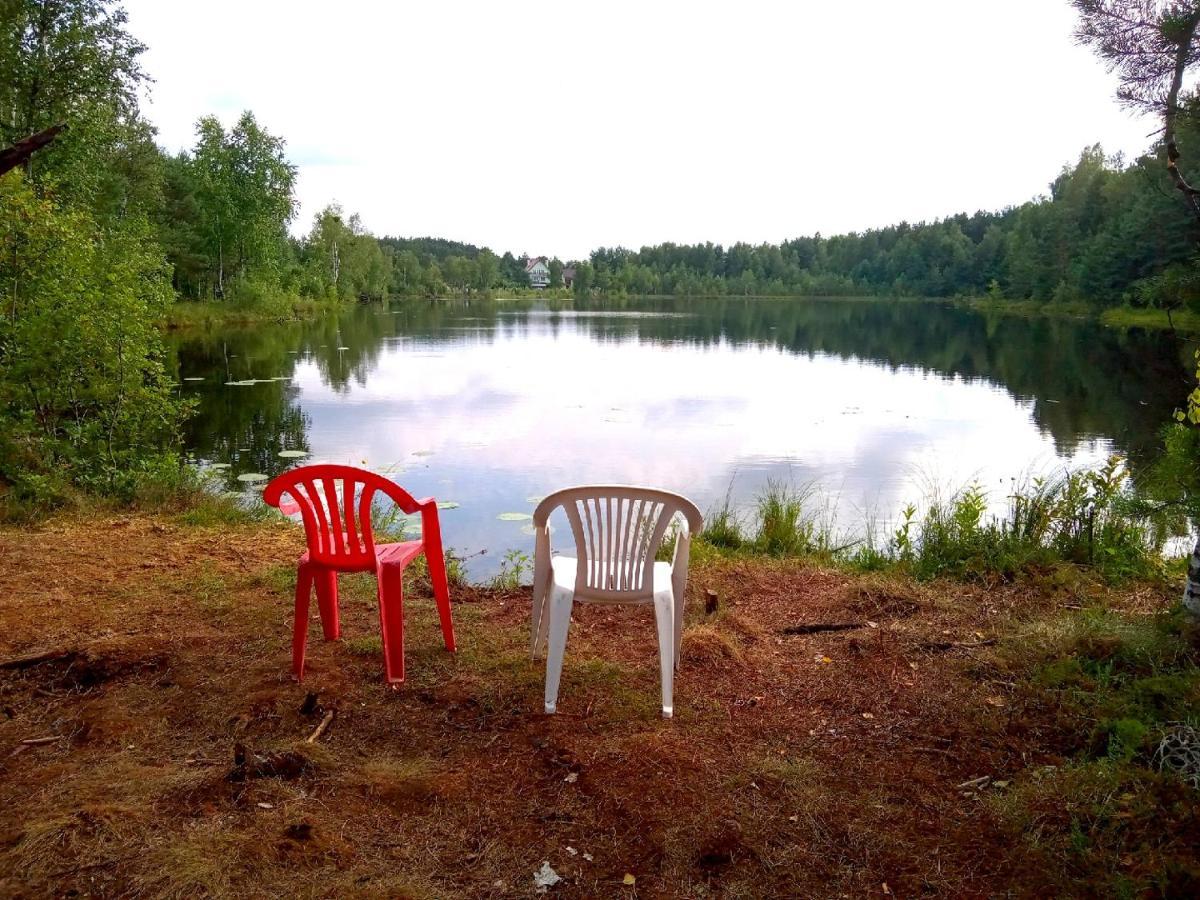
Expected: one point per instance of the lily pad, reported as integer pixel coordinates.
(193, 378)
(448, 504)
(252, 477)
(423, 453)
(239, 383)
(232, 495)
(531, 529)
(343, 348)
(514, 517)
(218, 466)
(292, 454)
(535, 499)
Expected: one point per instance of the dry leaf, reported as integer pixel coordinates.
(629, 880)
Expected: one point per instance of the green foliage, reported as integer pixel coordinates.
(341, 260)
(72, 62)
(722, 528)
(584, 276)
(1087, 518)
(1125, 739)
(1131, 676)
(784, 528)
(242, 196)
(83, 396)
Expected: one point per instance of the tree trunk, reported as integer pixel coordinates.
(1171, 113)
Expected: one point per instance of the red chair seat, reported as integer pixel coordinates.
(385, 555)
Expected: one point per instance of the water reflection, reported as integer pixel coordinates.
(488, 404)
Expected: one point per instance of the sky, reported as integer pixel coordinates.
(555, 128)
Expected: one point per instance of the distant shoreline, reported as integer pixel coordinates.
(188, 314)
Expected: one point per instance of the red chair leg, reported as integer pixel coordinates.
(391, 622)
(441, 593)
(304, 584)
(327, 600)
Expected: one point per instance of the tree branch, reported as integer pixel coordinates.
(18, 153)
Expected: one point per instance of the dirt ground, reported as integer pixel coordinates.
(828, 764)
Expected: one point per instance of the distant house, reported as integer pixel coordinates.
(537, 272)
(568, 276)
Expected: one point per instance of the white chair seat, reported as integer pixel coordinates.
(566, 567)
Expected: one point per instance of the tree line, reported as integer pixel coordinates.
(1106, 233)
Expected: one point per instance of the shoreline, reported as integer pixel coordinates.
(184, 315)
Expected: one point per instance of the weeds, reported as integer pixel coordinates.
(1087, 518)
(512, 570)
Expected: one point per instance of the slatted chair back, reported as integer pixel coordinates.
(335, 506)
(618, 530)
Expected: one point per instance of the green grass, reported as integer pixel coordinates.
(368, 645)
(1087, 519)
(205, 510)
(1181, 320)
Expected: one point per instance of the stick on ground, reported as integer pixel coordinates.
(320, 729)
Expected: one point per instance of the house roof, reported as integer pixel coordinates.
(533, 261)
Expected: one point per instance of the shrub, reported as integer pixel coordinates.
(84, 399)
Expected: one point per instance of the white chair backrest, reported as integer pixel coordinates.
(618, 530)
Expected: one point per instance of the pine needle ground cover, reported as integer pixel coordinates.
(835, 733)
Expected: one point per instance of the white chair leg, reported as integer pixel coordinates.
(544, 637)
(664, 614)
(535, 624)
(559, 614)
(679, 604)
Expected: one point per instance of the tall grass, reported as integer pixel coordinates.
(1086, 518)
(787, 521)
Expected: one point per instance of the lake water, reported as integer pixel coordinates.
(492, 404)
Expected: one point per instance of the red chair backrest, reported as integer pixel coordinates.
(337, 522)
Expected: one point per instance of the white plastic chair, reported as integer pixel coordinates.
(618, 529)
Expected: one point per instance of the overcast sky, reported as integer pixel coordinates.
(554, 128)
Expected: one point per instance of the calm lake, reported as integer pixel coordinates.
(492, 404)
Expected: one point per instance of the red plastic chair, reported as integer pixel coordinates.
(337, 527)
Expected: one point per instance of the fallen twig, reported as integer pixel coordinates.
(320, 730)
(980, 782)
(37, 742)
